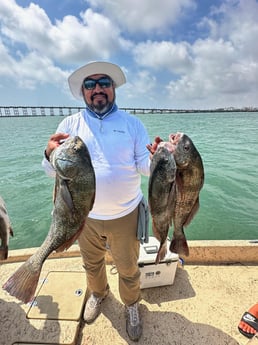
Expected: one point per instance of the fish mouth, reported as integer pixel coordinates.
(174, 138)
(167, 145)
(182, 165)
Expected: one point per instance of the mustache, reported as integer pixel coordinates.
(97, 94)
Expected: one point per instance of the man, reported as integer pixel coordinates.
(117, 144)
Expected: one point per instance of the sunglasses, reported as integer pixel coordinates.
(90, 84)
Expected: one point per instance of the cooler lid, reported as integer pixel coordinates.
(148, 252)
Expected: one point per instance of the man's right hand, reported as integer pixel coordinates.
(54, 141)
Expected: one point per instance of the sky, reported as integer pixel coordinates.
(180, 54)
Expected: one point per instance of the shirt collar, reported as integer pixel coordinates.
(101, 116)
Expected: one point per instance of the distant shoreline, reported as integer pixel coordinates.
(29, 111)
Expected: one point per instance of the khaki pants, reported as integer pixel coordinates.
(120, 235)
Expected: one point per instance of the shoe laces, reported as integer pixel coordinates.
(133, 314)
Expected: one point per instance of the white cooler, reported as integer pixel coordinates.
(152, 274)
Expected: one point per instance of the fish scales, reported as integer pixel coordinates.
(160, 193)
(5, 230)
(74, 195)
(189, 182)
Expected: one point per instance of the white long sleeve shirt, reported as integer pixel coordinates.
(117, 146)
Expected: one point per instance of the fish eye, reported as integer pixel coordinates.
(186, 147)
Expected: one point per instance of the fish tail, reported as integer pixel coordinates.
(161, 253)
(179, 245)
(23, 283)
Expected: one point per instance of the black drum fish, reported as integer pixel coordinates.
(74, 195)
(5, 230)
(161, 191)
(189, 182)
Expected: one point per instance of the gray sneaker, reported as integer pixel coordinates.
(133, 322)
(92, 308)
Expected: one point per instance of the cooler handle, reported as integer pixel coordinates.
(151, 249)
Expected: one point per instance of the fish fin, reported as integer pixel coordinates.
(54, 194)
(193, 212)
(92, 201)
(66, 195)
(179, 245)
(171, 202)
(70, 241)
(4, 253)
(155, 231)
(23, 283)
(161, 253)
(179, 181)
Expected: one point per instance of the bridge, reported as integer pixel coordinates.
(26, 111)
(19, 111)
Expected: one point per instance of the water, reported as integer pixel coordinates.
(227, 143)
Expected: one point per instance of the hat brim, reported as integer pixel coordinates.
(97, 67)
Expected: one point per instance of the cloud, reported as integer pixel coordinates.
(144, 15)
(29, 26)
(221, 69)
(43, 71)
(140, 85)
(6, 61)
(236, 21)
(35, 51)
(174, 57)
(218, 66)
(71, 40)
(30, 71)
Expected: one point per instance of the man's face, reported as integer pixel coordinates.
(101, 97)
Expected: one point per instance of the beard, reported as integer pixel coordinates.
(100, 106)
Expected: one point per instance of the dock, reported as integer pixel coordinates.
(216, 285)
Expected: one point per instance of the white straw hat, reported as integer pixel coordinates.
(97, 67)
